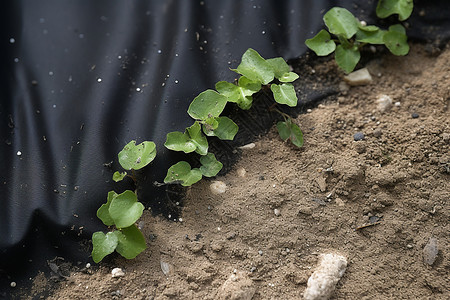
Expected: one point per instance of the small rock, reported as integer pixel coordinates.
(241, 172)
(165, 267)
(397, 104)
(248, 146)
(446, 137)
(322, 184)
(384, 103)
(117, 272)
(323, 281)
(237, 287)
(276, 211)
(360, 77)
(377, 133)
(414, 115)
(218, 187)
(358, 136)
(13, 284)
(430, 251)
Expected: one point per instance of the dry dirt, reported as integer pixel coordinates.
(284, 206)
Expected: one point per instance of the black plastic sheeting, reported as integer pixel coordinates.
(81, 79)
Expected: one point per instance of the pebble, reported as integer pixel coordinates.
(323, 281)
(360, 77)
(430, 251)
(360, 148)
(19, 153)
(414, 115)
(241, 172)
(248, 146)
(384, 103)
(276, 211)
(358, 136)
(117, 272)
(343, 86)
(377, 133)
(13, 284)
(165, 267)
(218, 187)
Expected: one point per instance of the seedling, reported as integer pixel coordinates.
(123, 210)
(350, 35)
(206, 109)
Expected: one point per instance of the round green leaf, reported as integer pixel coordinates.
(396, 42)
(178, 141)
(117, 176)
(321, 44)
(226, 129)
(347, 58)
(368, 28)
(131, 242)
(371, 37)
(238, 94)
(288, 77)
(206, 105)
(181, 172)
(284, 94)
(279, 66)
(403, 8)
(248, 85)
(341, 22)
(137, 156)
(125, 210)
(255, 68)
(210, 165)
(103, 211)
(289, 130)
(103, 244)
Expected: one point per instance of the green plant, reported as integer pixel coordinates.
(123, 210)
(257, 74)
(351, 34)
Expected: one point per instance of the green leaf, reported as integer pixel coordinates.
(371, 37)
(341, 22)
(255, 68)
(117, 176)
(125, 210)
(137, 156)
(182, 172)
(347, 58)
(284, 94)
(288, 77)
(131, 242)
(247, 84)
(321, 44)
(103, 211)
(103, 244)
(238, 94)
(279, 66)
(178, 141)
(210, 165)
(206, 105)
(403, 8)
(197, 138)
(226, 129)
(396, 40)
(291, 131)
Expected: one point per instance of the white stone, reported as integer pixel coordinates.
(241, 172)
(165, 267)
(248, 146)
(343, 86)
(360, 77)
(384, 103)
(323, 281)
(117, 272)
(276, 211)
(218, 187)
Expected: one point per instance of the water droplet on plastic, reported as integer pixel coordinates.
(12, 40)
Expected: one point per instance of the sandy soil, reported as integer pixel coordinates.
(376, 201)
